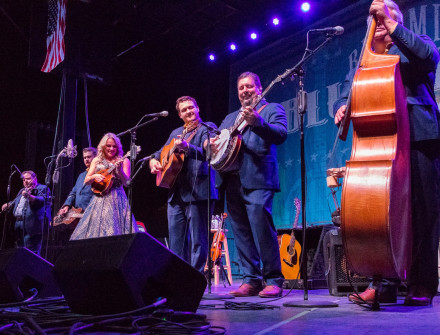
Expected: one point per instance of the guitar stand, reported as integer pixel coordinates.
(219, 263)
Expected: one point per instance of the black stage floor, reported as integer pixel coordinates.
(345, 318)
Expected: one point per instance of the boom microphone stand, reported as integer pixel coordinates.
(133, 153)
(302, 107)
(209, 295)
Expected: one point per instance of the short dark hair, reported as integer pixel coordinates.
(32, 173)
(183, 99)
(254, 76)
(90, 149)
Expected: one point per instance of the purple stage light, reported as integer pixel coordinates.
(211, 57)
(233, 47)
(276, 21)
(253, 36)
(305, 6)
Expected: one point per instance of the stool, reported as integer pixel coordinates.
(225, 260)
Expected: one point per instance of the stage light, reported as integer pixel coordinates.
(276, 21)
(305, 6)
(253, 36)
(211, 57)
(232, 47)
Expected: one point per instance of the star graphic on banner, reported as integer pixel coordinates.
(313, 157)
(329, 155)
(289, 162)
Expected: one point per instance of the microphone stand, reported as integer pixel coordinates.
(302, 107)
(209, 295)
(8, 198)
(133, 153)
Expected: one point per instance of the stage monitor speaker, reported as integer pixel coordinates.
(20, 271)
(340, 279)
(116, 274)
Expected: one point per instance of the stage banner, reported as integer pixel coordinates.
(324, 75)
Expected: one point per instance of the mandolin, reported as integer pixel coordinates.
(290, 249)
(101, 188)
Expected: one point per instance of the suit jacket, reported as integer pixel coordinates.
(192, 181)
(33, 213)
(81, 194)
(418, 63)
(258, 154)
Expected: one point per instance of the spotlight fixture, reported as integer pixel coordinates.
(275, 21)
(232, 47)
(211, 57)
(305, 7)
(253, 36)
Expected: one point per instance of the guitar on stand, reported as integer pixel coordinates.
(217, 244)
(171, 159)
(290, 249)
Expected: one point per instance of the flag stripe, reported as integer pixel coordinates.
(55, 35)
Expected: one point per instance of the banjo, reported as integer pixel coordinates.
(229, 140)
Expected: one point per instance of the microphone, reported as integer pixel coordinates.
(163, 114)
(71, 151)
(147, 158)
(338, 30)
(210, 128)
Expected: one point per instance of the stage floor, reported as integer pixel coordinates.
(347, 317)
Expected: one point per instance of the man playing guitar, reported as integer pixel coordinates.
(188, 193)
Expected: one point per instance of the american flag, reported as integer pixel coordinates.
(56, 26)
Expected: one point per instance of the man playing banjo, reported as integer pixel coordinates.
(251, 186)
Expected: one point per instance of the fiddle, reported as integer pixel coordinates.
(219, 237)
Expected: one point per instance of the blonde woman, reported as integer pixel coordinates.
(107, 214)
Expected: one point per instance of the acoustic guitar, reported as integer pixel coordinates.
(68, 220)
(171, 159)
(102, 187)
(290, 249)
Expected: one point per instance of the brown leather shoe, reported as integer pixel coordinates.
(368, 297)
(271, 291)
(418, 296)
(245, 290)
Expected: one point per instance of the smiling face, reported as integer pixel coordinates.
(110, 149)
(247, 91)
(188, 111)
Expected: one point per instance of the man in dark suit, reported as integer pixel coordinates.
(81, 194)
(30, 207)
(187, 198)
(250, 189)
(418, 62)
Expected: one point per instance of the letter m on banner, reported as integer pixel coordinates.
(56, 26)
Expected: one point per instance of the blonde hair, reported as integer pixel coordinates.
(103, 142)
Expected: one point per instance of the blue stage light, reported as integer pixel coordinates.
(305, 6)
(253, 36)
(276, 21)
(232, 47)
(211, 57)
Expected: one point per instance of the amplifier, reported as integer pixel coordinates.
(340, 279)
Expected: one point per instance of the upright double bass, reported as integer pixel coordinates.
(376, 206)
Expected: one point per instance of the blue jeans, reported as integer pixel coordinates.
(23, 239)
